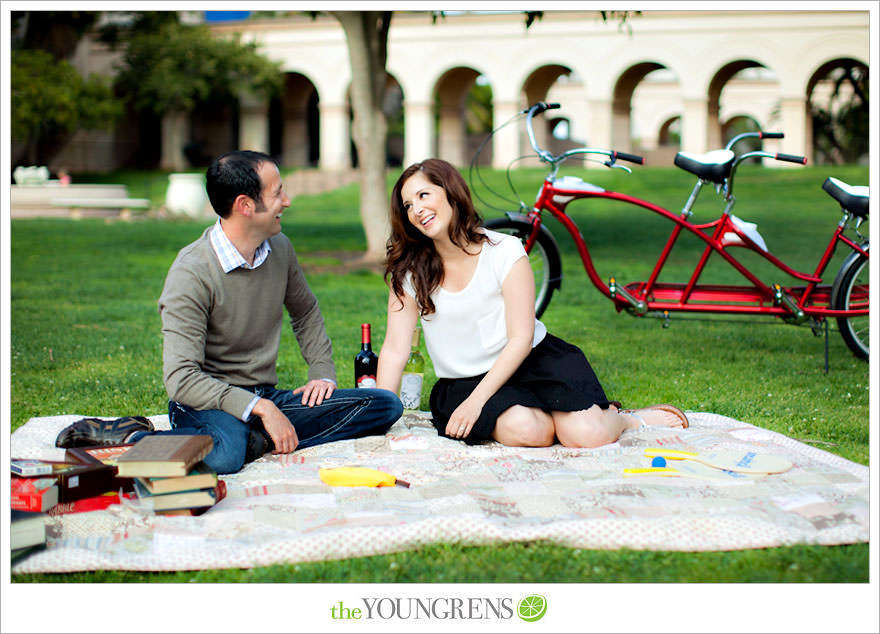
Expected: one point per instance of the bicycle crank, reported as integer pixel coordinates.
(797, 314)
(636, 307)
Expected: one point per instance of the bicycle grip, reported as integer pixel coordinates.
(632, 158)
(541, 106)
(791, 158)
(772, 135)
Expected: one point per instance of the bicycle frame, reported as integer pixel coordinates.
(797, 302)
(808, 298)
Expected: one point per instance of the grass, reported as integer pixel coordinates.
(85, 339)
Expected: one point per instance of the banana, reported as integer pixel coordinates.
(357, 477)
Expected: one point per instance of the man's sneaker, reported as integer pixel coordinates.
(94, 432)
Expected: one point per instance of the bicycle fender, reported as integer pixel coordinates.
(518, 217)
(850, 259)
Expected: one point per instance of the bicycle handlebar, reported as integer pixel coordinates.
(791, 158)
(632, 158)
(548, 157)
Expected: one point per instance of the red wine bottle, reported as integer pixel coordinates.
(365, 362)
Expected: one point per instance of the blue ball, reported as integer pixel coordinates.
(658, 461)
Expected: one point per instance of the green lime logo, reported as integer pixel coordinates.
(532, 608)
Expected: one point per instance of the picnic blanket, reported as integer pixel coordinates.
(278, 511)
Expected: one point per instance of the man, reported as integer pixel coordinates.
(222, 314)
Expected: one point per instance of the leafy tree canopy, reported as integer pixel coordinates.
(173, 66)
(51, 97)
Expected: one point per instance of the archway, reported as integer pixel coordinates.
(451, 99)
(392, 106)
(635, 89)
(838, 102)
(294, 123)
(653, 124)
(538, 86)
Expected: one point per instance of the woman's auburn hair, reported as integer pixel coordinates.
(410, 251)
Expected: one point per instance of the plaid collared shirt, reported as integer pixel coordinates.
(230, 258)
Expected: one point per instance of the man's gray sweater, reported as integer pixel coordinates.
(223, 330)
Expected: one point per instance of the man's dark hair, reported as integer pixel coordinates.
(233, 174)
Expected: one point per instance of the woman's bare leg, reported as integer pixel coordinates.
(595, 427)
(520, 426)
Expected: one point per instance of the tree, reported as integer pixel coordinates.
(167, 65)
(841, 126)
(366, 34)
(51, 99)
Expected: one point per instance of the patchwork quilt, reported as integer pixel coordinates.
(277, 510)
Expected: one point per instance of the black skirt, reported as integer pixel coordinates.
(556, 376)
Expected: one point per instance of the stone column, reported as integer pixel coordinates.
(419, 127)
(694, 125)
(600, 136)
(253, 123)
(295, 144)
(451, 141)
(175, 135)
(506, 144)
(796, 126)
(335, 137)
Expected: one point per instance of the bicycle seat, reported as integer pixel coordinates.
(712, 166)
(852, 198)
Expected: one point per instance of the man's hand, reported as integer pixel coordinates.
(277, 425)
(314, 392)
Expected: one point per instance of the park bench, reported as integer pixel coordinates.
(124, 205)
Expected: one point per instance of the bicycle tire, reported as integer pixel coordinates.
(543, 258)
(851, 286)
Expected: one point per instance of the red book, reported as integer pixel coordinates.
(34, 494)
(95, 503)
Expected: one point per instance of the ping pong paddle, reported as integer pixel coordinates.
(738, 461)
(690, 469)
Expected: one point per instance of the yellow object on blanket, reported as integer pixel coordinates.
(358, 477)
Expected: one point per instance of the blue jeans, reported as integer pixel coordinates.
(348, 413)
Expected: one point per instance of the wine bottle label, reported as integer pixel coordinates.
(367, 380)
(411, 390)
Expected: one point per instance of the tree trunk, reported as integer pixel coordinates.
(366, 33)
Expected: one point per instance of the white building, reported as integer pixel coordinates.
(639, 87)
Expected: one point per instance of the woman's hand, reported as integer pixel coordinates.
(464, 418)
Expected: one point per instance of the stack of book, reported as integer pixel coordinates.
(169, 476)
(27, 532)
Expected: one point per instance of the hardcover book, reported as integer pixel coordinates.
(164, 455)
(77, 480)
(200, 477)
(34, 494)
(108, 455)
(30, 467)
(26, 529)
(95, 503)
(103, 457)
(182, 500)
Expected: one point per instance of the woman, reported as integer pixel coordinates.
(501, 375)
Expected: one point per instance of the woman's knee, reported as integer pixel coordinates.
(584, 429)
(524, 427)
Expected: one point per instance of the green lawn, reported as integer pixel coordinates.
(85, 339)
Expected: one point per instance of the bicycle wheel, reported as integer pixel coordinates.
(543, 258)
(850, 290)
